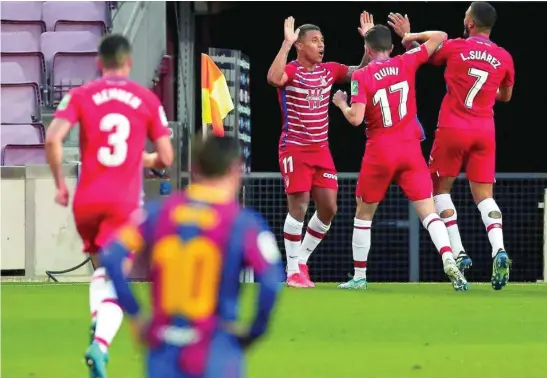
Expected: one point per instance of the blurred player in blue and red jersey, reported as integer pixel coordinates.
(116, 116)
(384, 92)
(195, 244)
(478, 73)
(304, 88)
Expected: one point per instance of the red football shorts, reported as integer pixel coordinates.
(474, 149)
(304, 169)
(97, 223)
(401, 163)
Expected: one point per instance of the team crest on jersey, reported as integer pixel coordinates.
(64, 102)
(314, 98)
(323, 81)
(354, 87)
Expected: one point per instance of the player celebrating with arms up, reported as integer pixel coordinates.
(195, 244)
(478, 73)
(304, 87)
(385, 93)
(115, 116)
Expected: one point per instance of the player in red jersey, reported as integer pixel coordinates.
(384, 93)
(116, 115)
(304, 87)
(478, 73)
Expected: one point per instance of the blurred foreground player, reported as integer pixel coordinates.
(304, 88)
(195, 244)
(115, 115)
(478, 73)
(384, 92)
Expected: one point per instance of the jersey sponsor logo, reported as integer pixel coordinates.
(64, 102)
(354, 87)
(314, 98)
(330, 176)
(267, 245)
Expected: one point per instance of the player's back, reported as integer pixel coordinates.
(114, 115)
(391, 113)
(475, 69)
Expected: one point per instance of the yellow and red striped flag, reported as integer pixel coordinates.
(216, 101)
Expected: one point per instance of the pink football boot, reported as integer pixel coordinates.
(296, 280)
(305, 273)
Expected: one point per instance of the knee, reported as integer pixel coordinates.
(327, 211)
(298, 206)
(444, 206)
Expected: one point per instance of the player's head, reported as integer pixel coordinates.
(479, 18)
(217, 160)
(378, 40)
(115, 54)
(310, 44)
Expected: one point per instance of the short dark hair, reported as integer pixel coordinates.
(483, 14)
(214, 156)
(378, 38)
(114, 50)
(306, 28)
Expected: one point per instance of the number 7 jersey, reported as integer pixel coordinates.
(116, 115)
(475, 69)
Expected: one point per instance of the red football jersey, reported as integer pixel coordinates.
(475, 69)
(116, 115)
(388, 89)
(304, 103)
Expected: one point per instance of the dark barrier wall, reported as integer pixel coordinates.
(257, 29)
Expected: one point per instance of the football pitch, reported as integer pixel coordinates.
(388, 331)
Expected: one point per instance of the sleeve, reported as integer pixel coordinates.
(134, 237)
(69, 107)
(509, 79)
(158, 125)
(415, 57)
(290, 71)
(358, 90)
(443, 53)
(262, 254)
(339, 71)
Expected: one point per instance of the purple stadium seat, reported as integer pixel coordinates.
(23, 49)
(20, 103)
(71, 58)
(12, 73)
(75, 16)
(29, 154)
(22, 16)
(21, 134)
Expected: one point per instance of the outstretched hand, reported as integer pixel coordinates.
(400, 24)
(291, 35)
(366, 23)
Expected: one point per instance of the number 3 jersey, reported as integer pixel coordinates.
(475, 69)
(304, 102)
(387, 88)
(115, 115)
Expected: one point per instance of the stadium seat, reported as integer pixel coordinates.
(70, 60)
(22, 16)
(20, 103)
(21, 134)
(15, 154)
(23, 50)
(75, 16)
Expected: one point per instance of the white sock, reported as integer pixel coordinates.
(292, 235)
(492, 219)
(438, 233)
(109, 318)
(444, 202)
(314, 234)
(361, 247)
(96, 291)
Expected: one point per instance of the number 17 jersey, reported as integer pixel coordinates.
(475, 68)
(116, 115)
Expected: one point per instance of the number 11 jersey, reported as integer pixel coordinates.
(475, 68)
(116, 115)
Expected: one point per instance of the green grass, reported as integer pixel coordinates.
(389, 331)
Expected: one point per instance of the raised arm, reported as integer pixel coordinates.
(366, 21)
(276, 74)
(432, 39)
(401, 26)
